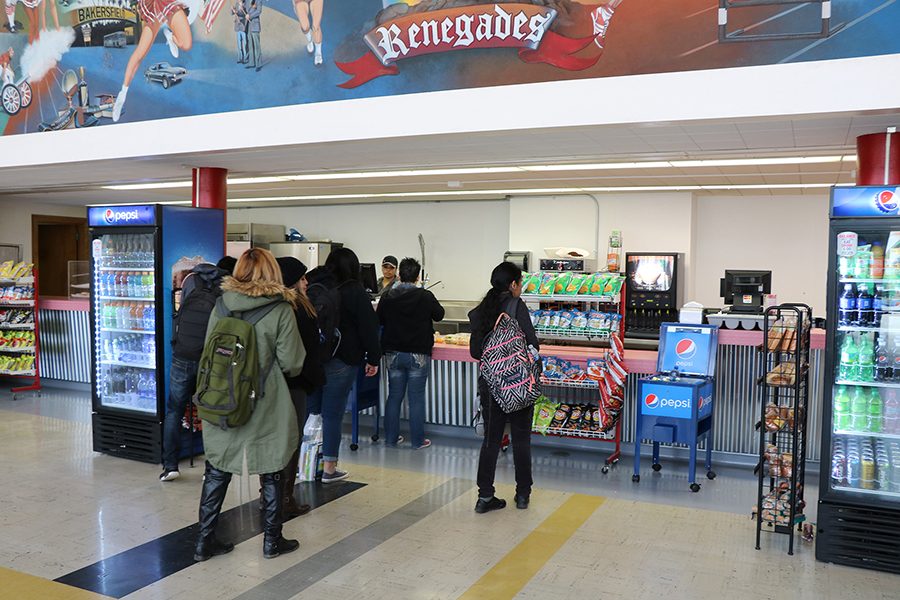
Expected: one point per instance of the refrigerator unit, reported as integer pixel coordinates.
(139, 255)
(311, 254)
(654, 294)
(859, 497)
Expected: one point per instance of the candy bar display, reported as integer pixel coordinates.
(18, 329)
(782, 425)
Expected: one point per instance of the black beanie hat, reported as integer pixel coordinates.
(291, 270)
(227, 264)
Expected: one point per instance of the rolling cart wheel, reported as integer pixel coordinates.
(635, 478)
(695, 487)
(710, 475)
(605, 469)
(354, 447)
(374, 437)
(657, 467)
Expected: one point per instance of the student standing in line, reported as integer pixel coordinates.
(388, 274)
(358, 345)
(268, 440)
(407, 313)
(310, 379)
(506, 287)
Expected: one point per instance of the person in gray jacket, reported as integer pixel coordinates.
(253, 29)
(240, 29)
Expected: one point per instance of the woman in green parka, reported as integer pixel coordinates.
(269, 438)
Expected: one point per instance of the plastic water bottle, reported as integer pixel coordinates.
(849, 359)
(847, 306)
(864, 306)
(149, 318)
(866, 369)
(147, 285)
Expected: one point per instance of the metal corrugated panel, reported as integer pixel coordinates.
(65, 337)
(451, 399)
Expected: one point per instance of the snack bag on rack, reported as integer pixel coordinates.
(586, 283)
(615, 326)
(596, 423)
(544, 320)
(544, 411)
(574, 372)
(552, 368)
(561, 416)
(587, 418)
(548, 282)
(565, 319)
(574, 421)
(616, 371)
(599, 282)
(595, 368)
(579, 320)
(575, 283)
(531, 283)
(595, 321)
(535, 316)
(6, 269)
(613, 286)
(561, 283)
(617, 348)
(554, 320)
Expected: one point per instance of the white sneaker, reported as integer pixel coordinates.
(169, 475)
(117, 107)
(310, 47)
(170, 40)
(318, 59)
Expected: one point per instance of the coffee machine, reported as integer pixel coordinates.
(654, 282)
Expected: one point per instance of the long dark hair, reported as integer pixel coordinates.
(491, 306)
(343, 264)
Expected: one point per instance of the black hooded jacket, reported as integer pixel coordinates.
(407, 313)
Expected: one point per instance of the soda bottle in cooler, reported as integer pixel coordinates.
(877, 269)
(137, 315)
(876, 412)
(849, 358)
(847, 306)
(866, 359)
(877, 306)
(841, 409)
(895, 359)
(147, 284)
(884, 367)
(862, 263)
(864, 306)
(859, 410)
(845, 267)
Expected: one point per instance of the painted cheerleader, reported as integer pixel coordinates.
(7, 75)
(34, 10)
(309, 13)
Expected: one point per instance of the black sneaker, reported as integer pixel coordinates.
(169, 475)
(495, 503)
(522, 501)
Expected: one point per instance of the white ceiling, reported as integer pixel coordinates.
(79, 183)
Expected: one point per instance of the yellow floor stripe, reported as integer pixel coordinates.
(523, 562)
(22, 586)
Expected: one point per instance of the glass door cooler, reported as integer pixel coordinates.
(859, 499)
(138, 254)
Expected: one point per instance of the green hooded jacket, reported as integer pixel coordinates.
(271, 436)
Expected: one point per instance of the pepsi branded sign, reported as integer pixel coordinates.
(690, 349)
(119, 216)
(865, 201)
(660, 400)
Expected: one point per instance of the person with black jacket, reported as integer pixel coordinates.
(503, 297)
(310, 378)
(406, 312)
(359, 344)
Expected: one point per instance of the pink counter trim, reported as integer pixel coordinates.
(62, 303)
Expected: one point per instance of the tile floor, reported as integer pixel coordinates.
(409, 533)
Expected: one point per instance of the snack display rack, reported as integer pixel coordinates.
(782, 426)
(20, 330)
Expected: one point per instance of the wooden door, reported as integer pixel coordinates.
(56, 241)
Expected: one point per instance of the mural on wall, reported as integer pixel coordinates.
(81, 63)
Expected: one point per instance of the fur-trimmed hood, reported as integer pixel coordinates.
(256, 291)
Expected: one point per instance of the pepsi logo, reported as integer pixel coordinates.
(886, 201)
(651, 401)
(686, 348)
(109, 216)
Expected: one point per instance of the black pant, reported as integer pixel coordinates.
(520, 431)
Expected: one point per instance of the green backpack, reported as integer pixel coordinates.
(229, 382)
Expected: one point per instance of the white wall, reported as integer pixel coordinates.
(15, 224)
(464, 240)
(787, 235)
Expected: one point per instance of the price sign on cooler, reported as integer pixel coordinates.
(847, 243)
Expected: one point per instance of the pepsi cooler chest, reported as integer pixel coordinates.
(676, 404)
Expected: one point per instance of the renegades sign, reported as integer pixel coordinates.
(506, 25)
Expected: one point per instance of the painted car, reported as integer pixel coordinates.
(165, 74)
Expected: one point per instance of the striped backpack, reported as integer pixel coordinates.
(511, 373)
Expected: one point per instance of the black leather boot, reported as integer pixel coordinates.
(290, 508)
(215, 484)
(274, 543)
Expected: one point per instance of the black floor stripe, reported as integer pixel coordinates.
(134, 569)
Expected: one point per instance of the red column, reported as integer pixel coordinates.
(210, 190)
(878, 159)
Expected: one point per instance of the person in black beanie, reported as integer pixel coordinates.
(312, 377)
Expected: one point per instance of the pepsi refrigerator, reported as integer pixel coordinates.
(859, 497)
(676, 404)
(139, 255)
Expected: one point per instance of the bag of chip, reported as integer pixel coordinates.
(565, 319)
(552, 368)
(554, 320)
(615, 326)
(562, 281)
(574, 421)
(594, 321)
(535, 316)
(617, 347)
(531, 283)
(587, 418)
(548, 281)
(560, 416)
(595, 368)
(599, 283)
(613, 286)
(574, 284)
(579, 320)
(544, 321)
(574, 372)
(544, 411)
(586, 283)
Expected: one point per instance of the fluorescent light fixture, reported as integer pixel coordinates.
(162, 185)
(246, 180)
(403, 173)
(748, 162)
(186, 202)
(597, 166)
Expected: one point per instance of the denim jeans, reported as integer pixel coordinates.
(407, 374)
(331, 402)
(242, 45)
(182, 384)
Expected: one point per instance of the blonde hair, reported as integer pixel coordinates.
(257, 264)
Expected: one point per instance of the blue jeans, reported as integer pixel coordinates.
(242, 45)
(182, 384)
(407, 374)
(331, 402)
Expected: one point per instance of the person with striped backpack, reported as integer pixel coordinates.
(505, 344)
